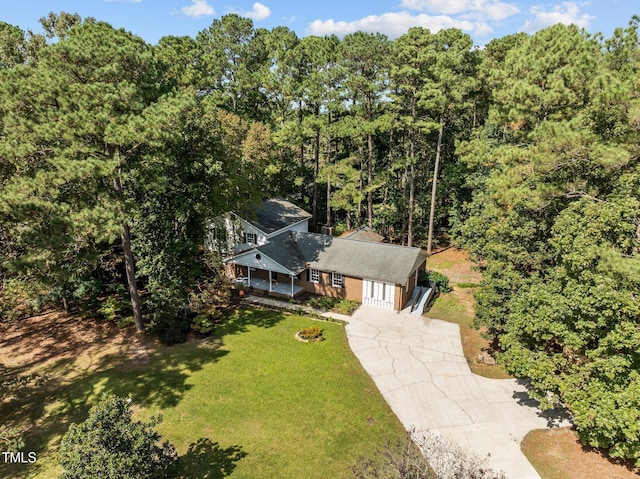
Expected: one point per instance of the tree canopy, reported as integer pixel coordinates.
(115, 154)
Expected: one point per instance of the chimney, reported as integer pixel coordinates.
(327, 230)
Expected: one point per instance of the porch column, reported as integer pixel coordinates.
(270, 286)
(249, 275)
(292, 286)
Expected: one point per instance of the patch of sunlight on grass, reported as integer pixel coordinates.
(251, 402)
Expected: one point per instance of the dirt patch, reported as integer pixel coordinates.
(456, 264)
(32, 343)
(557, 454)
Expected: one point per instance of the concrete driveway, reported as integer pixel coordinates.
(419, 367)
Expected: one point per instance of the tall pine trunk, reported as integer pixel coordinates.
(369, 180)
(412, 175)
(125, 239)
(369, 165)
(328, 176)
(316, 169)
(132, 285)
(434, 187)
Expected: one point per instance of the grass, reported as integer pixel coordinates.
(450, 307)
(250, 403)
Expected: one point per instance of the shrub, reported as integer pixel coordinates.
(322, 302)
(207, 303)
(337, 305)
(112, 308)
(441, 280)
(424, 454)
(170, 319)
(109, 444)
(20, 298)
(205, 323)
(310, 334)
(346, 306)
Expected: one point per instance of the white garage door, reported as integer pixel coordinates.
(376, 293)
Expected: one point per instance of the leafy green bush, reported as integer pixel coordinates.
(207, 303)
(205, 323)
(110, 444)
(112, 307)
(170, 319)
(345, 306)
(20, 298)
(441, 280)
(337, 305)
(322, 302)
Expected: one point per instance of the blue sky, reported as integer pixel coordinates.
(482, 19)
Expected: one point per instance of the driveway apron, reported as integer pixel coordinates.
(420, 369)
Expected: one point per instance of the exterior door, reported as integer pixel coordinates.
(377, 293)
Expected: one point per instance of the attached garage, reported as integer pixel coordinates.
(378, 294)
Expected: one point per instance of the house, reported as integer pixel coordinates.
(285, 259)
(231, 234)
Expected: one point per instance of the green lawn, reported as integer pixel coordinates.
(452, 307)
(252, 403)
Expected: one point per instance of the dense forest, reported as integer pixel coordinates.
(115, 153)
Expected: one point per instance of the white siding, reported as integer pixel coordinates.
(249, 228)
(303, 226)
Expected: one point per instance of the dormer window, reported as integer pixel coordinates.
(251, 238)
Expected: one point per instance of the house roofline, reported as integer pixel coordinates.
(256, 250)
(284, 228)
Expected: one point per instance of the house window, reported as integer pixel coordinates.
(251, 238)
(337, 280)
(274, 276)
(315, 276)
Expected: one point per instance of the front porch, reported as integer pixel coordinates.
(287, 289)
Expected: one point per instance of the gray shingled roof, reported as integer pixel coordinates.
(376, 261)
(363, 234)
(274, 214)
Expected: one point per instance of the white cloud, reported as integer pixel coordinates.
(259, 12)
(394, 24)
(479, 9)
(198, 9)
(566, 13)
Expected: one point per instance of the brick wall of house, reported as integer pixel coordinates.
(352, 287)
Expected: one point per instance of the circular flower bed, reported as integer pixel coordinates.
(308, 335)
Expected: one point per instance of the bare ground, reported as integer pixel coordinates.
(29, 344)
(557, 454)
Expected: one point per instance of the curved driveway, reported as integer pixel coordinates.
(420, 369)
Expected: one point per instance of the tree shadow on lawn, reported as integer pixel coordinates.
(241, 319)
(159, 381)
(155, 376)
(207, 460)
